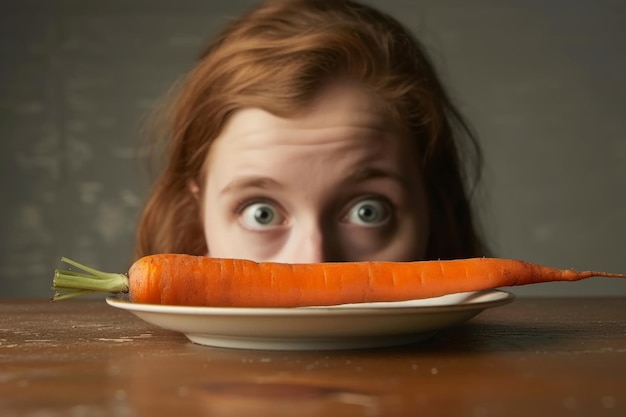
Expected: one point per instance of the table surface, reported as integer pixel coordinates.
(533, 357)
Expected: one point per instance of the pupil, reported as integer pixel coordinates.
(367, 213)
(264, 215)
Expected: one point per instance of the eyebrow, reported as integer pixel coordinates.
(368, 173)
(265, 183)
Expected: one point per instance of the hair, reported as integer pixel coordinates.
(277, 57)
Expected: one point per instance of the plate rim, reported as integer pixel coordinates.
(502, 297)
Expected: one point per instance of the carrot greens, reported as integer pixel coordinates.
(70, 284)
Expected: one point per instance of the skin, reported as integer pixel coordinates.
(336, 182)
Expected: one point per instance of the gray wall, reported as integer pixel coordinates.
(541, 81)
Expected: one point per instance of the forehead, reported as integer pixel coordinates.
(342, 132)
(340, 111)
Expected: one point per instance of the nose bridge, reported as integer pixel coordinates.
(316, 240)
(310, 247)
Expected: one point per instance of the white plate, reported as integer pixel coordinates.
(348, 326)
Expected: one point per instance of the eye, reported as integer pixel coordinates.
(258, 216)
(369, 213)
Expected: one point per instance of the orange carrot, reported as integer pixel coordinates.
(176, 279)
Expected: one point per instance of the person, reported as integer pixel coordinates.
(314, 131)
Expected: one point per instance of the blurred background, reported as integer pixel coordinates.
(541, 82)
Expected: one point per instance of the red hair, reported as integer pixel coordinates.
(277, 57)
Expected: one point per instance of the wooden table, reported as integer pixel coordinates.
(533, 357)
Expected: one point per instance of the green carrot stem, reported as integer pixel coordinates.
(69, 284)
(70, 293)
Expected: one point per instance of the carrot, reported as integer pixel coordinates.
(177, 279)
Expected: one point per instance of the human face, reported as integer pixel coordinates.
(336, 182)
